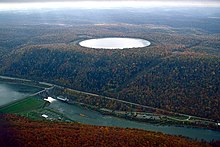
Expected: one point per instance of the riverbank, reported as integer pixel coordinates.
(36, 132)
(132, 111)
(78, 111)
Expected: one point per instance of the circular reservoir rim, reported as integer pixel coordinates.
(148, 43)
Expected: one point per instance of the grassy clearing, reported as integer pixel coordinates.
(27, 104)
(179, 117)
(53, 115)
(33, 107)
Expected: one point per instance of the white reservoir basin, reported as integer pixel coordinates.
(114, 43)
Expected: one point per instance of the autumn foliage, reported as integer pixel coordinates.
(19, 131)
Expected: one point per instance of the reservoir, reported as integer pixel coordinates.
(114, 43)
(11, 92)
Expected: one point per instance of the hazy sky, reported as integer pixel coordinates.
(100, 4)
(17, 1)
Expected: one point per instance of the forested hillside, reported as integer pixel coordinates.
(179, 72)
(187, 83)
(19, 131)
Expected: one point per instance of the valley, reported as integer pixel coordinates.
(78, 106)
(171, 84)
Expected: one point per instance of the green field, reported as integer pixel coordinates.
(33, 107)
(27, 104)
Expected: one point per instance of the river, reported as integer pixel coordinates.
(11, 92)
(86, 116)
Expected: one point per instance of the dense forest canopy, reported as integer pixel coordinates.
(179, 72)
(38, 133)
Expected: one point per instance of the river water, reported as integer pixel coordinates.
(12, 92)
(86, 116)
